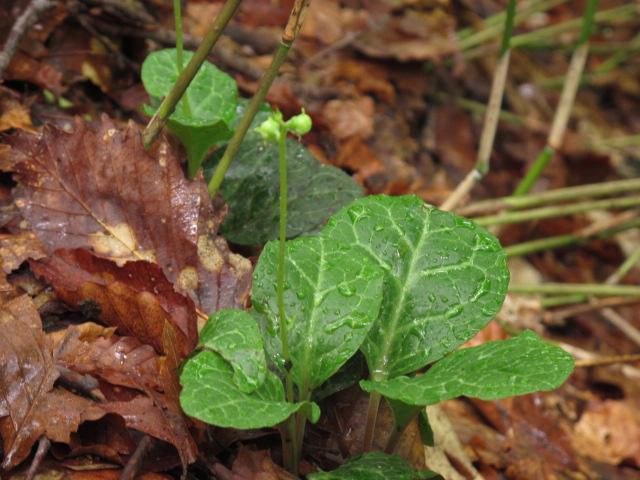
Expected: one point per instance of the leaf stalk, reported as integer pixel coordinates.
(169, 103)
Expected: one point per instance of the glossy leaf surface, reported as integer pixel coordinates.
(210, 394)
(251, 188)
(499, 369)
(374, 466)
(331, 299)
(235, 335)
(204, 115)
(445, 278)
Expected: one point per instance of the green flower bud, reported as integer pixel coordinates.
(269, 130)
(299, 124)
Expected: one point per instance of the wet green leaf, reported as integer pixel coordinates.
(331, 299)
(374, 466)
(445, 278)
(210, 394)
(235, 335)
(204, 115)
(251, 188)
(504, 368)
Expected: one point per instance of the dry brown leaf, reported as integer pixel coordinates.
(609, 431)
(349, 118)
(15, 249)
(97, 188)
(30, 406)
(412, 36)
(253, 465)
(13, 113)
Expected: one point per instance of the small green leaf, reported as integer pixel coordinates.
(235, 335)
(500, 369)
(210, 394)
(373, 466)
(331, 299)
(445, 278)
(251, 188)
(204, 115)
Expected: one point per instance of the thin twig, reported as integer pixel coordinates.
(595, 289)
(289, 34)
(132, 467)
(43, 448)
(612, 360)
(555, 317)
(491, 117)
(565, 106)
(591, 190)
(169, 103)
(557, 211)
(20, 27)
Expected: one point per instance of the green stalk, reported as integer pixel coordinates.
(567, 99)
(290, 440)
(594, 289)
(175, 94)
(557, 211)
(553, 196)
(245, 123)
(494, 25)
(177, 15)
(372, 417)
(549, 243)
(289, 35)
(491, 117)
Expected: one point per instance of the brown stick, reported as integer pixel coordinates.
(43, 447)
(23, 23)
(132, 467)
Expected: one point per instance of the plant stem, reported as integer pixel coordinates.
(595, 289)
(552, 196)
(597, 362)
(290, 440)
(175, 94)
(372, 417)
(289, 35)
(567, 99)
(494, 25)
(557, 211)
(491, 117)
(549, 243)
(177, 15)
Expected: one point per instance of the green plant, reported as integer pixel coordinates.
(399, 280)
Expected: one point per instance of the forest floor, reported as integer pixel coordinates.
(397, 92)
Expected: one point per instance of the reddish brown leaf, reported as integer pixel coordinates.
(97, 188)
(29, 405)
(122, 361)
(153, 406)
(136, 298)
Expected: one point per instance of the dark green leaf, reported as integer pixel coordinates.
(348, 375)
(251, 188)
(426, 432)
(504, 368)
(331, 299)
(446, 278)
(204, 115)
(374, 466)
(235, 335)
(210, 394)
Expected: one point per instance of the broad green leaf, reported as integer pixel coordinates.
(504, 368)
(374, 466)
(331, 299)
(209, 393)
(445, 278)
(251, 188)
(204, 115)
(235, 335)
